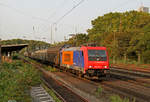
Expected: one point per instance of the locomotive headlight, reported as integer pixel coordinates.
(105, 66)
(90, 66)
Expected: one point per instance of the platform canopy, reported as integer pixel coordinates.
(11, 48)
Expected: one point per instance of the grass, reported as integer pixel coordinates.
(51, 69)
(145, 66)
(99, 90)
(16, 78)
(131, 62)
(121, 61)
(116, 98)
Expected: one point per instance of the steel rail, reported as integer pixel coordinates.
(56, 93)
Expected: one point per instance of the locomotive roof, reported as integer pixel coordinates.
(96, 47)
(72, 48)
(78, 48)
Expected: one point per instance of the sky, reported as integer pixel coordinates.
(39, 19)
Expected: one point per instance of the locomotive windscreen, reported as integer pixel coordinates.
(97, 55)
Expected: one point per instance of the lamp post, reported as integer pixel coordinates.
(53, 29)
(24, 37)
(75, 38)
(114, 56)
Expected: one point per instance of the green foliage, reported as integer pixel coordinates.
(78, 39)
(15, 81)
(99, 90)
(146, 56)
(15, 56)
(116, 98)
(125, 33)
(51, 69)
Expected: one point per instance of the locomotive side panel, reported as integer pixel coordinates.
(67, 57)
(78, 59)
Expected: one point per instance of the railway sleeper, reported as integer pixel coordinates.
(39, 94)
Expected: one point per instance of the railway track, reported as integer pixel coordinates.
(130, 83)
(142, 78)
(131, 72)
(128, 89)
(125, 87)
(132, 90)
(64, 93)
(39, 94)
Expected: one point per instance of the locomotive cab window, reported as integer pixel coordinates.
(97, 55)
(82, 53)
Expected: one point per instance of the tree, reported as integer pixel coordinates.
(78, 39)
(124, 34)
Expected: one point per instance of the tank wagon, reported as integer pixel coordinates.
(85, 60)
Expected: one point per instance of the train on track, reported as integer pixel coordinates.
(85, 60)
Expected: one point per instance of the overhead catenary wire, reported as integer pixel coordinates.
(55, 12)
(69, 11)
(24, 13)
(60, 6)
(62, 17)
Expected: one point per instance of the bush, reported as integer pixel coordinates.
(15, 57)
(146, 56)
(116, 98)
(15, 81)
